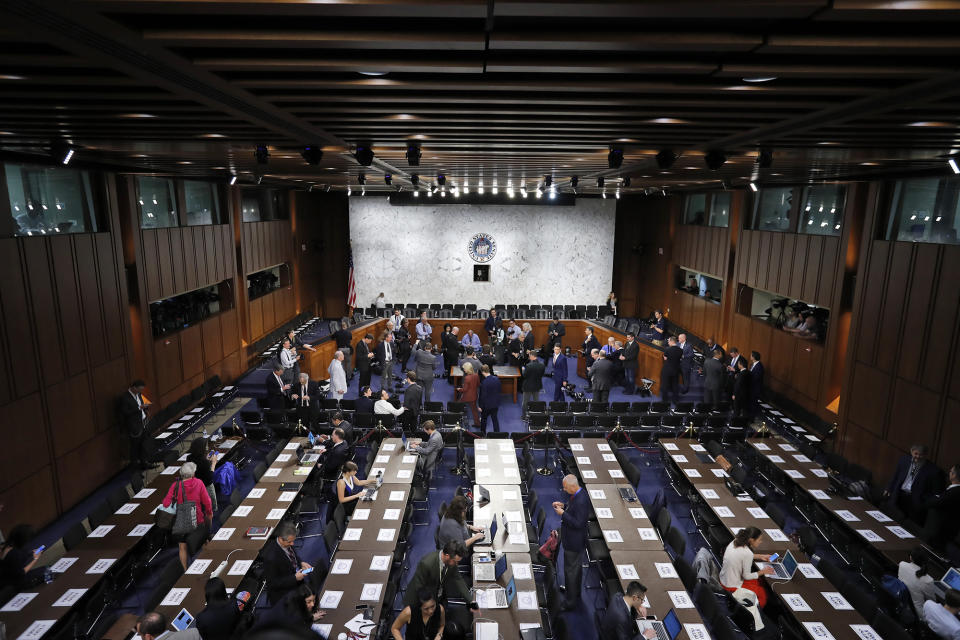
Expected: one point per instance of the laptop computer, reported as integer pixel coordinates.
(489, 571)
(950, 580)
(312, 439)
(503, 598)
(627, 494)
(304, 458)
(484, 495)
(403, 441)
(783, 570)
(183, 620)
(491, 532)
(668, 629)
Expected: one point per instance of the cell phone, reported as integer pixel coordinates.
(651, 617)
(474, 605)
(306, 571)
(774, 556)
(40, 548)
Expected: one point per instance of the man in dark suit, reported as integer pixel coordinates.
(602, 374)
(282, 568)
(741, 389)
(492, 324)
(555, 332)
(590, 343)
(670, 373)
(573, 536)
(532, 380)
(339, 423)
(437, 572)
(336, 454)
(756, 383)
(450, 345)
(384, 355)
(686, 362)
(425, 366)
(619, 623)
(713, 346)
(306, 398)
(515, 353)
(362, 360)
(915, 482)
(714, 378)
(944, 512)
(412, 401)
(277, 389)
(486, 356)
(132, 410)
(560, 373)
(488, 399)
(365, 402)
(732, 369)
(629, 361)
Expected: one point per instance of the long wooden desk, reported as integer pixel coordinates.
(625, 526)
(523, 612)
(509, 378)
(817, 606)
(505, 501)
(596, 461)
(495, 462)
(357, 580)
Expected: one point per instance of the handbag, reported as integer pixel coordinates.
(186, 518)
(164, 516)
(549, 548)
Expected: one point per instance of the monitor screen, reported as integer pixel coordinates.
(511, 591)
(493, 529)
(183, 620)
(501, 566)
(952, 578)
(671, 624)
(789, 563)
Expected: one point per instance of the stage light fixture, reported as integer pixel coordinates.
(953, 165)
(753, 187)
(615, 157)
(600, 182)
(364, 154)
(715, 159)
(666, 158)
(363, 191)
(312, 153)
(387, 179)
(233, 180)
(548, 181)
(625, 181)
(574, 183)
(413, 154)
(362, 178)
(765, 158)
(480, 188)
(603, 194)
(261, 153)
(416, 193)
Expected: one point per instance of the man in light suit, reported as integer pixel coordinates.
(715, 380)
(602, 373)
(428, 450)
(277, 389)
(686, 362)
(412, 401)
(338, 377)
(425, 359)
(560, 373)
(306, 398)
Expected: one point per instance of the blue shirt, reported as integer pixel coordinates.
(941, 622)
(471, 340)
(424, 330)
(514, 332)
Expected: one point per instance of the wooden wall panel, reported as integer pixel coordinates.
(179, 279)
(151, 265)
(24, 436)
(210, 248)
(212, 341)
(267, 309)
(255, 309)
(872, 286)
(944, 319)
(948, 450)
(78, 477)
(30, 500)
(68, 304)
(109, 381)
(913, 333)
(913, 416)
(893, 305)
(828, 270)
(45, 320)
(188, 237)
(191, 354)
(165, 263)
(17, 328)
(230, 331)
(71, 404)
(111, 306)
(166, 355)
(870, 388)
(90, 299)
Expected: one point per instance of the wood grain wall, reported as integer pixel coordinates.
(181, 259)
(641, 254)
(322, 242)
(265, 244)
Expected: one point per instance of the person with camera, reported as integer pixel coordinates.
(492, 325)
(658, 327)
(555, 331)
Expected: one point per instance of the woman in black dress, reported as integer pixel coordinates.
(18, 564)
(425, 624)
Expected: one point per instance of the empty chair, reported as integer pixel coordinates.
(562, 421)
(433, 406)
(629, 421)
(659, 407)
(578, 407)
(834, 574)
(619, 408)
(537, 421)
(663, 522)
(714, 448)
(864, 602)
(99, 514)
(687, 574)
(777, 515)
(676, 540)
(558, 406)
(640, 407)
(74, 536)
(607, 421)
(683, 407)
(650, 421)
(536, 406)
(632, 473)
(599, 407)
(888, 628)
(118, 498)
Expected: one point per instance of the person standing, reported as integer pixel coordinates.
(573, 537)
(555, 331)
(914, 483)
(306, 398)
(611, 303)
(515, 351)
(628, 358)
(424, 330)
(297, 342)
(945, 526)
(686, 362)
(437, 572)
(363, 358)
(277, 389)
(602, 374)
(425, 366)
(741, 389)
(470, 358)
(289, 360)
(489, 400)
(756, 383)
(343, 337)
(189, 489)
(670, 373)
(714, 378)
(384, 357)
(658, 328)
(338, 377)
(132, 407)
(470, 390)
(282, 568)
(451, 349)
(412, 400)
(492, 325)
(379, 302)
(532, 380)
(401, 339)
(560, 372)
(590, 344)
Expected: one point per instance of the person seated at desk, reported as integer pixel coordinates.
(365, 401)
(337, 452)
(282, 568)
(151, 625)
(620, 621)
(339, 423)
(383, 406)
(737, 570)
(206, 462)
(942, 619)
(469, 357)
(18, 564)
(913, 574)
(426, 624)
(915, 482)
(428, 450)
(437, 573)
(453, 525)
(943, 512)
(349, 489)
(218, 619)
(189, 489)
(470, 339)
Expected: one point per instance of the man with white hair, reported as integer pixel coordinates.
(573, 537)
(306, 398)
(338, 377)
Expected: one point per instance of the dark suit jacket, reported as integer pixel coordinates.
(671, 365)
(276, 396)
(342, 338)
(489, 396)
(488, 359)
(361, 361)
(602, 374)
(129, 412)
(528, 344)
(630, 352)
(925, 485)
(278, 571)
(560, 330)
(687, 358)
(573, 523)
(741, 387)
(427, 576)
(426, 364)
(413, 398)
(713, 371)
(313, 392)
(560, 373)
(589, 345)
(756, 381)
(515, 347)
(217, 621)
(533, 376)
(364, 405)
(491, 324)
(947, 507)
(347, 431)
(618, 622)
(380, 353)
(333, 460)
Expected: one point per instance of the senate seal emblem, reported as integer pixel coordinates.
(482, 247)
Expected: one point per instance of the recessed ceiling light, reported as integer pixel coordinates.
(184, 162)
(691, 167)
(211, 135)
(668, 121)
(759, 78)
(626, 140)
(373, 73)
(6, 133)
(136, 115)
(403, 116)
(828, 143)
(329, 168)
(7, 76)
(925, 123)
(869, 164)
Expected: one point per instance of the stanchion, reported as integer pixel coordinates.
(763, 431)
(379, 430)
(689, 432)
(545, 470)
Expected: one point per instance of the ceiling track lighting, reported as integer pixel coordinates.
(765, 158)
(665, 159)
(753, 187)
(413, 154)
(312, 154)
(387, 179)
(261, 153)
(233, 180)
(364, 154)
(362, 178)
(62, 152)
(715, 159)
(953, 165)
(615, 157)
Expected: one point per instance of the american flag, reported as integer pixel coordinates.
(351, 285)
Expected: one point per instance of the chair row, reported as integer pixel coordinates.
(627, 408)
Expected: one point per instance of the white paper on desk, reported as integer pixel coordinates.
(526, 600)
(757, 512)
(787, 421)
(380, 563)
(184, 457)
(603, 446)
(223, 533)
(408, 459)
(847, 515)
(788, 447)
(396, 496)
(240, 568)
(290, 446)
(139, 530)
(818, 630)
(480, 446)
(699, 448)
(796, 602)
(404, 474)
(508, 472)
(637, 513)
(615, 473)
(242, 512)
(275, 514)
(272, 472)
(144, 493)
(776, 535)
(169, 471)
(61, 565)
(819, 494)
(836, 600)
(576, 447)
(696, 631)
(283, 457)
(352, 533)
(175, 596)
(510, 494)
(386, 535)
(900, 532)
(69, 598)
(604, 512)
(692, 473)
(483, 473)
(256, 493)
(680, 599)
(164, 435)
(486, 631)
(647, 533)
(820, 473)
(589, 474)
(101, 531)
(390, 514)
(798, 429)
(776, 413)
(230, 388)
(382, 459)
(287, 496)
(198, 566)
(808, 570)
(724, 512)
(330, 599)
(720, 473)
(870, 534)
(612, 535)
(679, 458)
(127, 508)
(341, 566)
(583, 460)
(609, 457)
(666, 570)
(371, 591)
(388, 447)
(799, 457)
(514, 516)
(759, 446)
(627, 572)
(671, 446)
(598, 494)
(865, 632)
(227, 444)
(744, 498)
(376, 471)
(777, 459)
(812, 438)
(18, 602)
(322, 629)
(521, 570)
(879, 516)
(709, 494)
(793, 473)
(507, 459)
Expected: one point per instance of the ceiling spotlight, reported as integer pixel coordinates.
(259, 179)
(68, 156)
(604, 194)
(666, 158)
(413, 154)
(441, 179)
(363, 191)
(760, 79)
(625, 181)
(715, 159)
(617, 194)
(387, 179)
(574, 183)
(310, 188)
(547, 181)
(953, 165)
(233, 180)
(600, 182)
(765, 158)
(261, 153)
(364, 154)
(523, 191)
(615, 157)
(312, 153)
(753, 187)
(362, 178)
(61, 152)
(415, 180)
(416, 193)
(349, 190)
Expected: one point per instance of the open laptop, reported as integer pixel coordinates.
(183, 620)
(304, 458)
(950, 580)
(403, 441)
(503, 598)
(668, 629)
(490, 533)
(484, 495)
(489, 571)
(784, 570)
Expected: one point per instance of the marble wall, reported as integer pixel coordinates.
(544, 254)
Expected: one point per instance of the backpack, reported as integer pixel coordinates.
(549, 548)
(226, 477)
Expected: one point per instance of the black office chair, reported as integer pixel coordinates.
(676, 541)
(74, 536)
(834, 575)
(663, 522)
(888, 628)
(168, 577)
(864, 602)
(99, 514)
(777, 515)
(687, 573)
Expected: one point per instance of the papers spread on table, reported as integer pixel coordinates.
(796, 602)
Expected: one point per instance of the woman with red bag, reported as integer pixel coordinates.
(190, 489)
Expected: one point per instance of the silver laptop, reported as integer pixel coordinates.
(783, 570)
(669, 629)
(489, 571)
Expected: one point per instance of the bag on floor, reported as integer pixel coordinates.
(186, 518)
(748, 599)
(164, 516)
(549, 548)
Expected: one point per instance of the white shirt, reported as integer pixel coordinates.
(921, 589)
(754, 365)
(941, 622)
(379, 302)
(287, 359)
(737, 566)
(387, 351)
(136, 396)
(383, 407)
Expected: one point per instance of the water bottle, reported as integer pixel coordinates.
(47, 575)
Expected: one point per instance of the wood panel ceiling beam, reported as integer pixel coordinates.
(363, 40)
(331, 8)
(613, 41)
